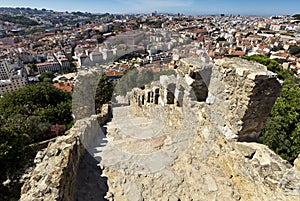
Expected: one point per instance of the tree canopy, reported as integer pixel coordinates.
(104, 92)
(294, 50)
(25, 115)
(297, 16)
(282, 130)
(47, 76)
(18, 20)
(271, 64)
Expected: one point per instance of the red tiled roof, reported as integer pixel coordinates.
(65, 86)
(281, 54)
(197, 31)
(200, 39)
(113, 73)
(125, 66)
(83, 55)
(155, 70)
(46, 63)
(56, 130)
(127, 29)
(255, 36)
(239, 53)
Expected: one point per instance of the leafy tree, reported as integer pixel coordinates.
(14, 154)
(294, 50)
(127, 82)
(145, 77)
(42, 100)
(47, 76)
(32, 68)
(25, 115)
(104, 92)
(297, 16)
(282, 130)
(271, 64)
(18, 20)
(280, 61)
(277, 48)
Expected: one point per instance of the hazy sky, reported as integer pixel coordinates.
(249, 7)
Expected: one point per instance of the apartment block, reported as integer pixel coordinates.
(12, 76)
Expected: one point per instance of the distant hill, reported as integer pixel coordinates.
(297, 16)
(18, 20)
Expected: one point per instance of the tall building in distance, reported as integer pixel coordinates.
(4, 73)
(131, 38)
(12, 75)
(154, 13)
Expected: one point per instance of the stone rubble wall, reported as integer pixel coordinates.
(240, 95)
(218, 170)
(214, 166)
(54, 175)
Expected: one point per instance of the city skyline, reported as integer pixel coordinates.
(188, 7)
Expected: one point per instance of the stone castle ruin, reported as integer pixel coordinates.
(192, 136)
(238, 94)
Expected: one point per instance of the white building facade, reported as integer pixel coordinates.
(12, 76)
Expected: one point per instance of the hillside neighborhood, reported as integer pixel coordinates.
(35, 41)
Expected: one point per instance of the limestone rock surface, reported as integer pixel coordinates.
(218, 162)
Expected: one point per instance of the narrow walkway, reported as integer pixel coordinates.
(129, 144)
(90, 185)
(139, 144)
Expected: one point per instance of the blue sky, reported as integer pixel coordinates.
(249, 7)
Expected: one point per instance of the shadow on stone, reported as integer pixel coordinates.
(263, 97)
(90, 185)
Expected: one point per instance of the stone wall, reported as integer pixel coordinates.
(54, 176)
(239, 94)
(204, 111)
(214, 166)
